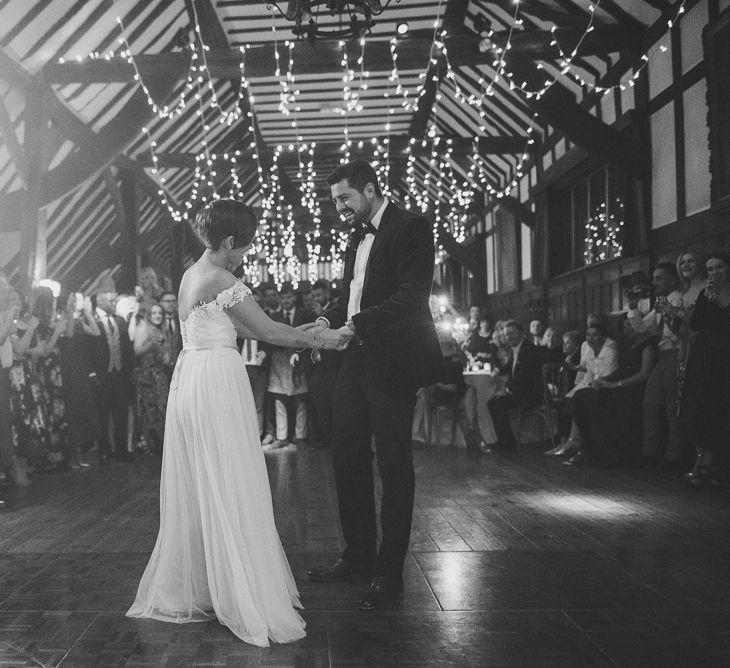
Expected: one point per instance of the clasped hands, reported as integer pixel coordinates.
(333, 339)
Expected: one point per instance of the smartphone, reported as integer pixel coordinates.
(79, 298)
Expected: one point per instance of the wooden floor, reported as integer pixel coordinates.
(515, 561)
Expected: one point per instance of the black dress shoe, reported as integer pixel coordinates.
(382, 592)
(340, 571)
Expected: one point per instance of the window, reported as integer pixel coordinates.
(586, 221)
(717, 56)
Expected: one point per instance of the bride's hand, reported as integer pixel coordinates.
(307, 326)
(336, 339)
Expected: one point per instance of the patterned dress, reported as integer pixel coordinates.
(152, 388)
(37, 405)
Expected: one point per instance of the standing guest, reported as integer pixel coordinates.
(150, 290)
(692, 279)
(113, 361)
(537, 331)
(660, 398)
(305, 298)
(256, 357)
(272, 308)
(322, 377)
(39, 426)
(151, 380)
(478, 345)
(705, 405)
(393, 350)
(80, 382)
(608, 413)
(171, 331)
(9, 462)
(287, 380)
(524, 383)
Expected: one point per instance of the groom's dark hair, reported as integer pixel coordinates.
(358, 174)
(226, 218)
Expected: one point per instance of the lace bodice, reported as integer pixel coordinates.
(209, 325)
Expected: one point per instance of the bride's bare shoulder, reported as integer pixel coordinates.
(200, 285)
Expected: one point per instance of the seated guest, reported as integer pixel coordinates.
(500, 343)
(609, 412)
(705, 403)
(478, 345)
(565, 382)
(537, 331)
(598, 358)
(524, 383)
(475, 314)
(552, 342)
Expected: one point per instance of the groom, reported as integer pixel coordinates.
(392, 350)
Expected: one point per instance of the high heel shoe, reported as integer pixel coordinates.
(567, 447)
(705, 474)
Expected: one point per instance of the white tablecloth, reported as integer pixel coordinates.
(485, 385)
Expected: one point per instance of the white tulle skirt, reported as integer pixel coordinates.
(218, 553)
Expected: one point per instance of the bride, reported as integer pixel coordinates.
(218, 554)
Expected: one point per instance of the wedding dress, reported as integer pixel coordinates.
(218, 554)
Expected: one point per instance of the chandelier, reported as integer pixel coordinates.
(356, 17)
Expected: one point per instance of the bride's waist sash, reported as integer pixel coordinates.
(194, 349)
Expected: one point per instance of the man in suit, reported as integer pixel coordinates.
(171, 330)
(392, 350)
(113, 366)
(524, 383)
(287, 381)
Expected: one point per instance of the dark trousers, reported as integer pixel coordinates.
(6, 435)
(321, 381)
(367, 405)
(499, 408)
(114, 402)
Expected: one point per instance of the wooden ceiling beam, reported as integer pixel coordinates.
(12, 72)
(460, 145)
(538, 44)
(538, 10)
(558, 106)
(10, 139)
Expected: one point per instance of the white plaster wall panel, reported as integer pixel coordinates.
(696, 149)
(660, 68)
(526, 252)
(664, 167)
(608, 109)
(524, 188)
(691, 31)
(560, 149)
(627, 96)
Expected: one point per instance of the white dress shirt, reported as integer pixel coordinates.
(515, 353)
(596, 366)
(652, 321)
(361, 264)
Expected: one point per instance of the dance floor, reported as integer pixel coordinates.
(515, 561)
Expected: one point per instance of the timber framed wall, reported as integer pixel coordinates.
(675, 102)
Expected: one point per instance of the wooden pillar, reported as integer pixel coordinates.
(131, 262)
(33, 227)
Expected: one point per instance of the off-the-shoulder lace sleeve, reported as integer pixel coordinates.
(231, 296)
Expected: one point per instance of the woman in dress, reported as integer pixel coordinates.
(478, 345)
(152, 351)
(218, 554)
(705, 407)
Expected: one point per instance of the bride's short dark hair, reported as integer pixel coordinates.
(226, 218)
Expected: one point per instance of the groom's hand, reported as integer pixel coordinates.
(336, 339)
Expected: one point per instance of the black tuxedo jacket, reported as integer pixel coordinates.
(394, 322)
(101, 347)
(525, 382)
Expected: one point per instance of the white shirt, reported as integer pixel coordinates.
(596, 366)
(249, 351)
(361, 264)
(515, 353)
(650, 323)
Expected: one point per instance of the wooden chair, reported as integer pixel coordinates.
(545, 408)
